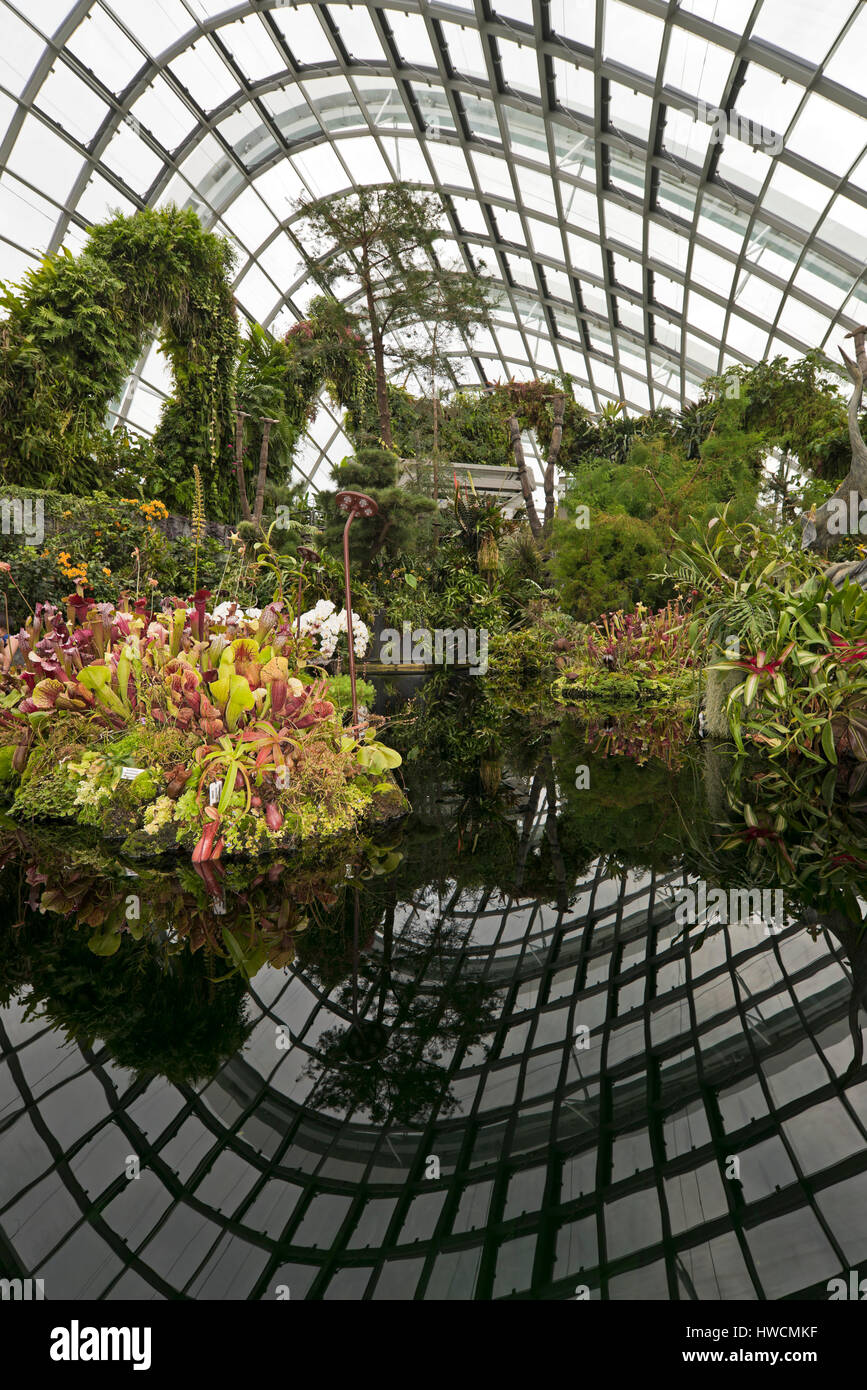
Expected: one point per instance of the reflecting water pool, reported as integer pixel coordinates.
(502, 1054)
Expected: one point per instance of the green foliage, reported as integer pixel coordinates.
(340, 693)
(93, 541)
(801, 688)
(794, 406)
(614, 558)
(383, 239)
(404, 519)
(73, 332)
(46, 790)
(738, 575)
(612, 564)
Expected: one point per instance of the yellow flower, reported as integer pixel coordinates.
(105, 571)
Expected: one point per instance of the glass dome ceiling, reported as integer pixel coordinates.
(662, 190)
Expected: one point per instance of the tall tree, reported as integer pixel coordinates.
(382, 239)
(452, 306)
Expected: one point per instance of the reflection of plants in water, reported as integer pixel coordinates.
(462, 724)
(243, 916)
(170, 999)
(626, 812)
(642, 734)
(801, 829)
(405, 1015)
(158, 1015)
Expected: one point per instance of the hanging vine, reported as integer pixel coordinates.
(72, 333)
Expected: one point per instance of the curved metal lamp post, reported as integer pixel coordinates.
(352, 504)
(306, 553)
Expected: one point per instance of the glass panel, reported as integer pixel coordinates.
(493, 175)
(828, 135)
(250, 46)
(509, 226)
(742, 166)
(745, 337)
(668, 292)
(574, 86)
(32, 218)
(246, 134)
(536, 190)
(291, 114)
(800, 26)
(38, 149)
(49, 14)
(711, 270)
(585, 255)
(157, 27)
(846, 66)
(706, 315)
(435, 110)
(627, 272)
(722, 222)
(465, 51)
(795, 197)
(631, 36)
(71, 103)
(627, 173)
(696, 66)
(676, 196)
(733, 15)
(623, 225)
(481, 117)
(105, 49)
(667, 246)
(205, 75)
(629, 112)
(580, 208)
(767, 101)
(825, 283)
(410, 33)
(322, 170)
(384, 103)
(803, 323)
(546, 239)
(451, 166)
(100, 199)
(685, 137)
(304, 34)
(249, 219)
(257, 294)
(575, 19)
(757, 296)
(527, 134)
(164, 114)
(515, 9)
(520, 67)
(845, 227)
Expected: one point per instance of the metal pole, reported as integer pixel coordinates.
(298, 610)
(352, 504)
(348, 596)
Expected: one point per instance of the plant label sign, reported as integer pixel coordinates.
(129, 774)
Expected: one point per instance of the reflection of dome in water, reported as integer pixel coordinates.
(549, 1149)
